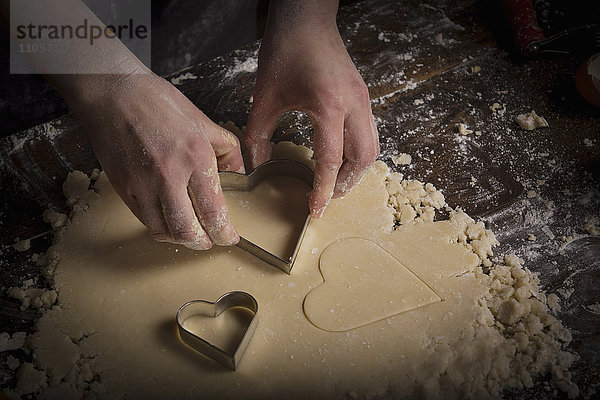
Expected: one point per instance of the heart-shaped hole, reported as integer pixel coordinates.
(224, 331)
(271, 215)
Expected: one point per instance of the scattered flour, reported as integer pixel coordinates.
(250, 65)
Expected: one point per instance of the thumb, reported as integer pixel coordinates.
(227, 150)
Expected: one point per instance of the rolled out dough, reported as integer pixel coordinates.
(112, 333)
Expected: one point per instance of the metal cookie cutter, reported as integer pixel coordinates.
(236, 181)
(202, 307)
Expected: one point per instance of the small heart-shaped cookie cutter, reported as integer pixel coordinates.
(206, 308)
(236, 181)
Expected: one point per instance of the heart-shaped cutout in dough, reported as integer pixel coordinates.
(276, 208)
(363, 283)
(221, 330)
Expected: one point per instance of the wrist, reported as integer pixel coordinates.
(291, 17)
(83, 91)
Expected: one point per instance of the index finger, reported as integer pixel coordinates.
(209, 202)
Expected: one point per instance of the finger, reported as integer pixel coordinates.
(225, 144)
(180, 217)
(361, 148)
(227, 150)
(209, 203)
(152, 216)
(328, 151)
(261, 124)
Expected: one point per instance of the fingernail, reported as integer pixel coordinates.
(161, 238)
(235, 240)
(317, 212)
(196, 246)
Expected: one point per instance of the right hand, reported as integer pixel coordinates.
(162, 156)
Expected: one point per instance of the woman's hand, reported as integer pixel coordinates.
(303, 65)
(162, 156)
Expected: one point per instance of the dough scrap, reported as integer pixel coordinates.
(113, 334)
(531, 121)
(402, 159)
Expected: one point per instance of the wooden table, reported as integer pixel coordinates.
(429, 66)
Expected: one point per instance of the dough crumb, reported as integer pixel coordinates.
(464, 129)
(402, 159)
(498, 110)
(591, 228)
(183, 77)
(383, 37)
(523, 312)
(411, 200)
(595, 308)
(31, 380)
(8, 343)
(531, 194)
(32, 297)
(22, 245)
(12, 362)
(531, 237)
(475, 69)
(531, 121)
(56, 220)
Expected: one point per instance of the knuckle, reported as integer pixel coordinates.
(214, 219)
(159, 236)
(162, 174)
(330, 164)
(360, 89)
(332, 102)
(366, 158)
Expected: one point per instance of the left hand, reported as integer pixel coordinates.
(303, 65)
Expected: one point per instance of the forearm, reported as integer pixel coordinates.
(82, 70)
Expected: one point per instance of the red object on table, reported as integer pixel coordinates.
(523, 23)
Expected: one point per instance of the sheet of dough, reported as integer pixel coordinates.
(114, 330)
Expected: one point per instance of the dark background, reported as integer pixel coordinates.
(188, 32)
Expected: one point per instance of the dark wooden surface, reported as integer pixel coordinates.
(398, 50)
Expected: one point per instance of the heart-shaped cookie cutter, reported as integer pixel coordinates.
(207, 308)
(236, 181)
